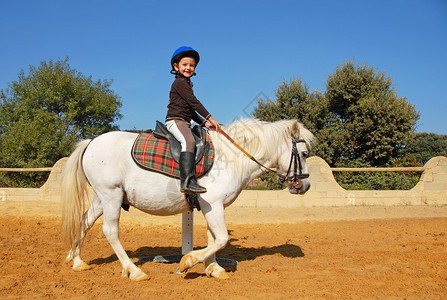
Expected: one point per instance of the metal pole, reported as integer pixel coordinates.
(187, 232)
(187, 245)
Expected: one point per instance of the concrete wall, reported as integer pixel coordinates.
(325, 191)
(50, 191)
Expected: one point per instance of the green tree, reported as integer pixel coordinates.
(358, 121)
(423, 146)
(44, 113)
(376, 123)
(294, 101)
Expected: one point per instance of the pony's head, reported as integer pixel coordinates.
(298, 142)
(274, 143)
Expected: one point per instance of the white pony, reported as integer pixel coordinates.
(106, 164)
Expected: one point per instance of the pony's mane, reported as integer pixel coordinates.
(260, 138)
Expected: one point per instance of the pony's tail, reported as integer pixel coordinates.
(74, 194)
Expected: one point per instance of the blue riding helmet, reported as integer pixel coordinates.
(184, 51)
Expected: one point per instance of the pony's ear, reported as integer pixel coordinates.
(295, 128)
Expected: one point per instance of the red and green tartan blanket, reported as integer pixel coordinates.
(154, 154)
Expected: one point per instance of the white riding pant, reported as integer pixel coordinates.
(181, 130)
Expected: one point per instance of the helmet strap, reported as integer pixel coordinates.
(174, 72)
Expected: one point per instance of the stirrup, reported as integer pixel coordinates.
(194, 190)
(190, 186)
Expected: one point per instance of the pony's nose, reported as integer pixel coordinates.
(308, 187)
(293, 190)
(302, 191)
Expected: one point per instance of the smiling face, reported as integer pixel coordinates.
(186, 66)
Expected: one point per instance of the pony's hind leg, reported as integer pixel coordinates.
(88, 219)
(110, 230)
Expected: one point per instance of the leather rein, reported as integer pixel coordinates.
(297, 175)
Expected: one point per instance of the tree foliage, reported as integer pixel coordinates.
(421, 147)
(294, 101)
(359, 117)
(359, 120)
(376, 180)
(376, 122)
(45, 112)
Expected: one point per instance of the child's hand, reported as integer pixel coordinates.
(212, 124)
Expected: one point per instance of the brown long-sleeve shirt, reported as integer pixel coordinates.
(183, 105)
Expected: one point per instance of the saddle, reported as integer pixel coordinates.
(198, 133)
(159, 151)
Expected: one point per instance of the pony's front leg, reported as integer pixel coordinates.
(217, 239)
(110, 230)
(212, 268)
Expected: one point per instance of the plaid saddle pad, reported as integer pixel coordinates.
(154, 154)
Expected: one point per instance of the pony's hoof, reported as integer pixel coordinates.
(82, 267)
(222, 275)
(137, 275)
(186, 262)
(216, 271)
(140, 276)
(178, 271)
(219, 275)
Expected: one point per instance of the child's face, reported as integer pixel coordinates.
(186, 66)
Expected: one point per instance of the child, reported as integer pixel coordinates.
(184, 107)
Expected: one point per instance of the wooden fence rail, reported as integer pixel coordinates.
(26, 169)
(395, 169)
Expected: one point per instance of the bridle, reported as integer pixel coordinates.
(297, 175)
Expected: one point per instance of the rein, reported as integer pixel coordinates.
(295, 179)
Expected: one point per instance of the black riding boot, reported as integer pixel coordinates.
(188, 183)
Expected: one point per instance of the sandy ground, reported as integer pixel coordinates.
(321, 252)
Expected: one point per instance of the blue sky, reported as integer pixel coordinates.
(247, 48)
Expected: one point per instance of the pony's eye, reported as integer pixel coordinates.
(305, 153)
